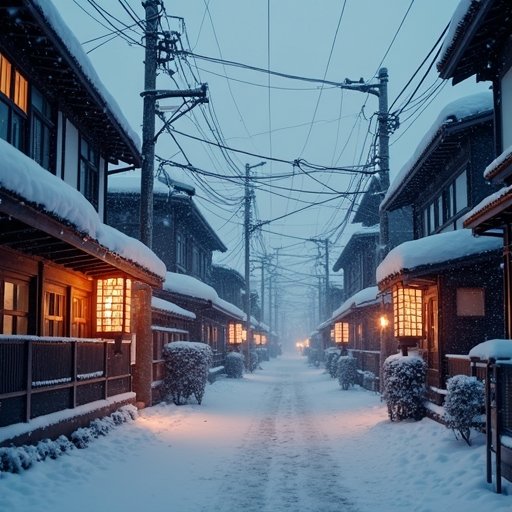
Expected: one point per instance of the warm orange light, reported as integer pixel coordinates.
(341, 332)
(407, 312)
(235, 333)
(113, 305)
(383, 321)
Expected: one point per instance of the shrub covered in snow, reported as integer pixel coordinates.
(234, 365)
(331, 361)
(404, 387)
(14, 459)
(262, 354)
(347, 371)
(463, 405)
(369, 380)
(186, 364)
(254, 361)
(313, 356)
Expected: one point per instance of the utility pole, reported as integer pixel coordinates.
(327, 285)
(150, 96)
(148, 124)
(247, 237)
(262, 289)
(387, 124)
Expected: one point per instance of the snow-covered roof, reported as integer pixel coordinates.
(434, 249)
(497, 349)
(76, 52)
(505, 159)
(360, 233)
(365, 297)
(129, 183)
(170, 307)
(457, 21)
(191, 287)
(456, 111)
(488, 202)
(23, 177)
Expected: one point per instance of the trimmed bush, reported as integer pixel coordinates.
(262, 354)
(463, 405)
(347, 371)
(331, 361)
(187, 364)
(313, 356)
(234, 365)
(404, 387)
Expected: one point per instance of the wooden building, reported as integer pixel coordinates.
(445, 285)
(479, 44)
(74, 293)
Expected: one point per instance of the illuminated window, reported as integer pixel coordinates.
(235, 333)
(407, 312)
(341, 330)
(20, 91)
(80, 316)
(5, 76)
(14, 310)
(54, 311)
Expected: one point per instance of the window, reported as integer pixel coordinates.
(54, 311)
(181, 250)
(80, 316)
(14, 311)
(13, 104)
(470, 302)
(42, 129)
(444, 213)
(88, 180)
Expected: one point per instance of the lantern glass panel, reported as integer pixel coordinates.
(408, 312)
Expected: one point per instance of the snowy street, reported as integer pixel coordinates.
(285, 438)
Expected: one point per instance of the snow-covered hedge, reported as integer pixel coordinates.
(331, 361)
(262, 354)
(463, 405)
(234, 365)
(404, 387)
(347, 371)
(186, 364)
(15, 459)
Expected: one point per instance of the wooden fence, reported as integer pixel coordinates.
(43, 375)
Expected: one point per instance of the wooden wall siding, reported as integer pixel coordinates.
(45, 375)
(459, 334)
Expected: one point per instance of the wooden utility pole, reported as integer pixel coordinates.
(247, 238)
(148, 123)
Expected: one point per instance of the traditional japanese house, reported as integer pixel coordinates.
(229, 284)
(182, 237)
(445, 285)
(479, 44)
(74, 293)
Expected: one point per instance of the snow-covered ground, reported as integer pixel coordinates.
(286, 438)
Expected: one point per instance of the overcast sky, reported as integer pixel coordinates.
(327, 126)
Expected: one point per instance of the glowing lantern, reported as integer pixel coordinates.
(407, 312)
(113, 305)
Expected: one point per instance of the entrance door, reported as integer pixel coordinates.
(431, 344)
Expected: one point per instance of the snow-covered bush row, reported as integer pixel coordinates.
(369, 380)
(347, 371)
(463, 405)
(15, 459)
(404, 387)
(186, 364)
(234, 365)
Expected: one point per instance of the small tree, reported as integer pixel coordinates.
(187, 364)
(234, 365)
(347, 371)
(463, 405)
(404, 387)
